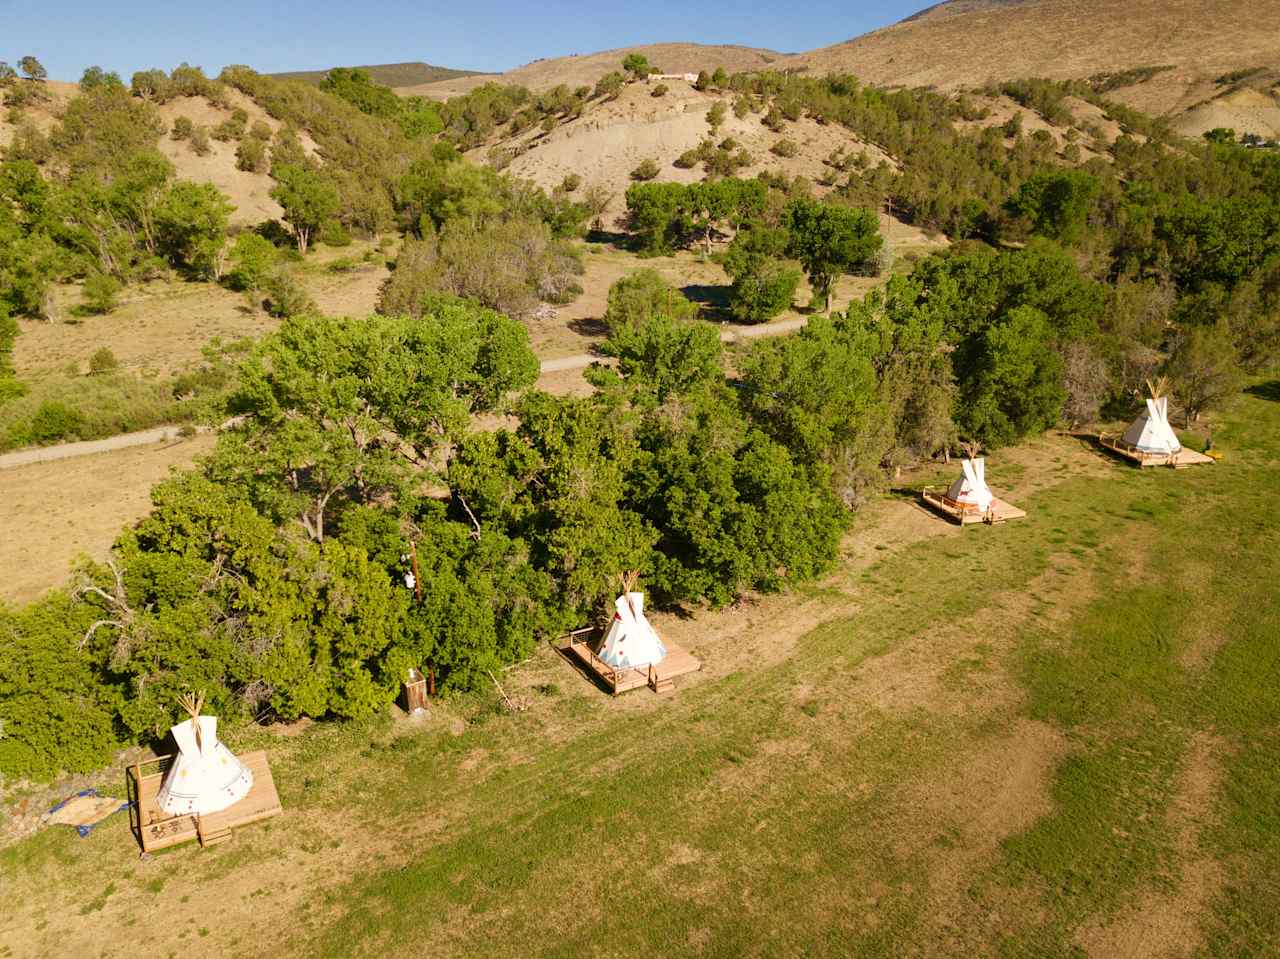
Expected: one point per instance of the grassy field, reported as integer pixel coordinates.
(1058, 737)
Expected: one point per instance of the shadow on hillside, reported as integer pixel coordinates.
(619, 241)
(1266, 391)
(712, 301)
(589, 326)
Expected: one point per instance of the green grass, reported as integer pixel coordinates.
(781, 863)
(821, 801)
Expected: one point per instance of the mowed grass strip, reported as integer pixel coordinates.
(761, 814)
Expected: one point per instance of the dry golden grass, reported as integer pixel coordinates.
(53, 513)
(585, 70)
(1063, 39)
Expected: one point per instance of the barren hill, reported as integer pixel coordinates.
(388, 74)
(967, 42)
(579, 70)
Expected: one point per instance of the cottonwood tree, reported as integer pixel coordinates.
(1203, 370)
(191, 228)
(347, 412)
(308, 199)
(830, 240)
(763, 284)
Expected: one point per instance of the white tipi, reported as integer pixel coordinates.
(631, 641)
(970, 490)
(1151, 432)
(206, 777)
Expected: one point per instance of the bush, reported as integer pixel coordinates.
(251, 155)
(199, 141)
(570, 183)
(54, 421)
(103, 361)
(333, 233)
(182, 129)
(100, 292)
(647, 170)
(286, 296)
(261, 130)
(659, 91)
(642, 295)
(253, 259)
(784, 148)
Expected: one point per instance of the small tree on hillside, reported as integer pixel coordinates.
(719, 79)
(643, 295)
(308, 200)
(763, 285)
(191, 226)
(597, 199)
(33, 69)
(829, 240)
(715, 116)
(637, 64)
(703, 81)
(7, 75)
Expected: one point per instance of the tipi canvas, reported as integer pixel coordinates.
(631, 641)
(206, 777)
(1151, 432)
(970, 489)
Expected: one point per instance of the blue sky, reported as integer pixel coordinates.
(68, 35)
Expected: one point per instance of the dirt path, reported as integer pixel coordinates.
(63, 451)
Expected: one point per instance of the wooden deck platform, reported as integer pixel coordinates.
(1179, 460)
(999, 512)
(155, 829)
(657, 677)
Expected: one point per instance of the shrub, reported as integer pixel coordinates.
(253, 259)
(642, 295)
(100, 292)
(647, 170)
(659, 91)
(333, 233)
(251, 156)
(54, 421)
(784, 148)
(286, 296)
(103, 361)
(182, 129)
(715, 116)
(261, 130)
(199, 141)
(689, 159)
(570, 183)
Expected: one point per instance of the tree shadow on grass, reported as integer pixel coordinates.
(1266, 391)
(589, 326)
(712, 301)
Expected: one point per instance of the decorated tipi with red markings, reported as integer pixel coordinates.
(631, 641)
(206, 777)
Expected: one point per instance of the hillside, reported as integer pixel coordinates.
(578, 70)
(968, 42)
(610, 139)
(388, 74)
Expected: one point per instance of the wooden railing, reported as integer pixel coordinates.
(607, 672)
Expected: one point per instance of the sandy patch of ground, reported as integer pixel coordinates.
(610, 139)
(249, 192)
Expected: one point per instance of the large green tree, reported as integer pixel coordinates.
(308, 199)
(830, 240)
